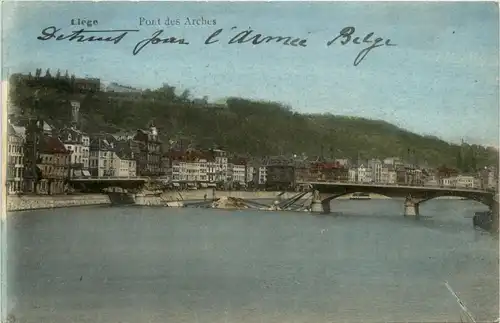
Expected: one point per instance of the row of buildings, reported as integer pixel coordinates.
(42, 160)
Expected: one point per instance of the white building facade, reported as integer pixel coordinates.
(364, 174)
(238, 174)
(78, 143)
(376, 170)
(260, 175)
(123, 166)
(101, 160)
(353, 175)
(465, 181)
(15, 161)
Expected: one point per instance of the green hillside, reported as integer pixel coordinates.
(243, 126)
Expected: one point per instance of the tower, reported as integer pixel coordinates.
(75, 111)
(154, 130)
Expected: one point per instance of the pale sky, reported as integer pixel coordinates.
(441, 78)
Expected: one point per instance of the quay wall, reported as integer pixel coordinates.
(33, 202)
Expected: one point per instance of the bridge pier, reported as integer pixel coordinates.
(411, 208)
(495, 215)
(318, 205)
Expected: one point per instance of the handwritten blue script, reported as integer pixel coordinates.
(232, 36)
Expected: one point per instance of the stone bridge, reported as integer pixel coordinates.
(324, 192)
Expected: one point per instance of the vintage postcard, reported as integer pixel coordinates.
(250, 162)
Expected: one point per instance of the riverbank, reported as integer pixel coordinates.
(172, 198)
(169, 198)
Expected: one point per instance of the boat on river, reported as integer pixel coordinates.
(360, 196)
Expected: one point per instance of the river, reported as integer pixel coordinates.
(151, 264)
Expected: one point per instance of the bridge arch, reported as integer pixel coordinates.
(481, 198)
(486, 200)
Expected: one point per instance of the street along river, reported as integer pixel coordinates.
(153, 264)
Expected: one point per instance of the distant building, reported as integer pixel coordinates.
(465, 181)
(86, 85)
(190, 168)
(388, 174)
(165, 167)
(124, 163)
(488, 178)
(280, 176)
(238, 170)
(48, 130)
(392, 177)
(364, 174)
(54, 164)
(34, 132)
(249, 173)
(15, 161)
(60, 82)
(394, 161)
(402, 177)
(303, 173)
(448, 182)
(174, 165)
(149, 158)
(413, 176)
(221, 159)
(101, 163)
(431, 181)
(328, 172)
(344, 162)
(260, 175)
(353, 174)
(115, 87)
(445, 172)
(78, 144)
(123, 136)
(376, 167)
(213, 171)
(239, 174)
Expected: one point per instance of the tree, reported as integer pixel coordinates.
(185, 96)
(166, 92)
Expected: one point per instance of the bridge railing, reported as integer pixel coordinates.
(398, 184)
